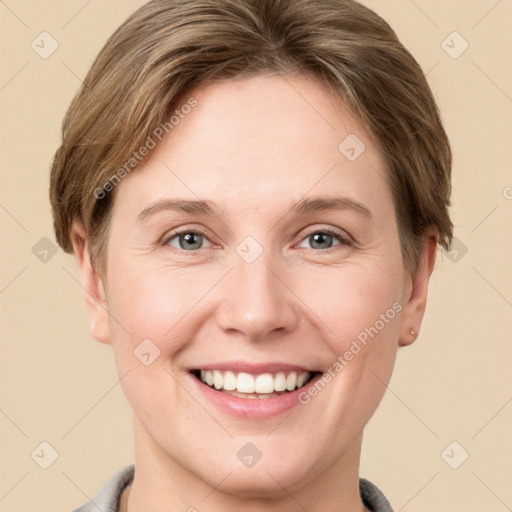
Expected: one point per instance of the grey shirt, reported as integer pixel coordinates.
(107, 499)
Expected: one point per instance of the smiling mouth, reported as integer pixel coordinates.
(246, 385)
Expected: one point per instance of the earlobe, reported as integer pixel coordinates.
(94, 292)
(415, 302)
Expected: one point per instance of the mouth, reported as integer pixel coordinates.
(254, 385)
(251, 391)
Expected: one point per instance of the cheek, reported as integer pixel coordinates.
(154, 303)
(357, 308)
(351, 299)
(150, 312)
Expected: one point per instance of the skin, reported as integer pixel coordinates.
(254, 146)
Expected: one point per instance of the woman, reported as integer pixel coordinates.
(254, 191)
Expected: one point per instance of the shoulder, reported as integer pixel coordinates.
(107, 499)
(372, 497)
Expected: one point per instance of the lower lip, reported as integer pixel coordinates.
(254, 408)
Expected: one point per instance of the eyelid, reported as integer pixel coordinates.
(167, 237)
(343, 237)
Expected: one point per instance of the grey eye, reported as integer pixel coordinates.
(187, 240)
(324, 239)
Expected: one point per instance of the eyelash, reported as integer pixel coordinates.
(329, 231)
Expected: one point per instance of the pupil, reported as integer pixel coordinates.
(189, 239)
(320, 238)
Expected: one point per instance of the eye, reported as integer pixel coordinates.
(319, 239)
(193, 240)
(187, 240)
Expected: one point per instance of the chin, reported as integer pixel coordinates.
(260, 481)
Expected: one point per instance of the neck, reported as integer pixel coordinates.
(163, 483)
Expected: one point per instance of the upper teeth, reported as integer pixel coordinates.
(247, 383)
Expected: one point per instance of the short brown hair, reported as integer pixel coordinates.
(168, 47)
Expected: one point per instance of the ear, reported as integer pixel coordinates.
(415, 300)
(94, 292)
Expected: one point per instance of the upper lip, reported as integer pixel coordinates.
(253, 368)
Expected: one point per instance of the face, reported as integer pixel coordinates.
(252, 251)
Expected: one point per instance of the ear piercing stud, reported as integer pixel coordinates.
(413, 333)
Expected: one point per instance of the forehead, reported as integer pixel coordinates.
(262, 139)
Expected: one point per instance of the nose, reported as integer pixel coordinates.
(256, 302)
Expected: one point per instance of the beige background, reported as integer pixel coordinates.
(58, 385)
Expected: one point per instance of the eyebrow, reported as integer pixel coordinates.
(303, 207)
